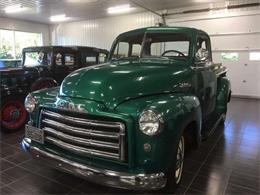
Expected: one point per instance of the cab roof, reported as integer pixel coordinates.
(164, 29)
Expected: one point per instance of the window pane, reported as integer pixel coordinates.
(136, 49)
(35, 59)
(12, 43)
(122, 49)
(69, 59)
(175, 45)
(254, 56)
(58, 59)
(229, 56)
(157, 49)
(91, 60)
(7, 50)
(102, 58)
(25, 39)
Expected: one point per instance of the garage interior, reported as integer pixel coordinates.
(228, 162)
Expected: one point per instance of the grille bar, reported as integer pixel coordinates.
(80, 150)
(81, 141)
(79, 131)
(84, 136)
(82, 121)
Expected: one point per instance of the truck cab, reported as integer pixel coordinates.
(127, 123)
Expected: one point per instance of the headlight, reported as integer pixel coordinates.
(30, 103)
(150, 122)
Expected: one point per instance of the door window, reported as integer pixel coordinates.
(203, 49)
(91, 60)
(58, 59)
(69, 59)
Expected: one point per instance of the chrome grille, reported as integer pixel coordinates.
(84, 136)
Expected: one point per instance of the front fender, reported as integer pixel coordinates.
(43, 97)
(177, 111)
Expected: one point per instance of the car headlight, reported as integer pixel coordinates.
(30, 103)
(150, 123)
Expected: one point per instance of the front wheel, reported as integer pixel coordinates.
(13, 114)
(175, 173)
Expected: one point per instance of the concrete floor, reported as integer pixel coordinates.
(227, 163)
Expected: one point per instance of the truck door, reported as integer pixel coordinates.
(206, 77)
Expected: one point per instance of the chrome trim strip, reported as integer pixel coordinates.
(75, 120)
(79, 131)
(80, 150)
(106, 177)
(81, 141)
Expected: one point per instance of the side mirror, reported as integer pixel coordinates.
(202, 55)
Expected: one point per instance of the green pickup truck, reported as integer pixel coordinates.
(127, 123)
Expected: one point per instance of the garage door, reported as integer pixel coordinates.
(236, 43)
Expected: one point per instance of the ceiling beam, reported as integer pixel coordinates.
(150, 10)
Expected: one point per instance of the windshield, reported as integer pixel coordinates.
(166, 44)
(32, 59)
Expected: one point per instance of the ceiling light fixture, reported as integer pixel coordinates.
(14, 9)
(120, 9)
(81, 2)
(59, 18)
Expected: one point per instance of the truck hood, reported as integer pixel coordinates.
(115, 82)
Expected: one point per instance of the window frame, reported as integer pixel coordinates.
(63, 53)
(14, 48)
(206, 38)
(250, 56)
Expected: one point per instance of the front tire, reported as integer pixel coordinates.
(13, 115)
(175, 173)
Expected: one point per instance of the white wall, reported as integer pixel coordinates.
(99, 32)
(19, 25)
(232, 31)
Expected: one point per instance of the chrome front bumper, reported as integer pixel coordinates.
(101, 176)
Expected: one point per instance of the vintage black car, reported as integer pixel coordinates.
(42, 67)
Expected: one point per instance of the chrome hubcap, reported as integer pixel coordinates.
(179, 160)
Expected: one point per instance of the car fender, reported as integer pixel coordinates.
(177, 112)
(44, 82)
